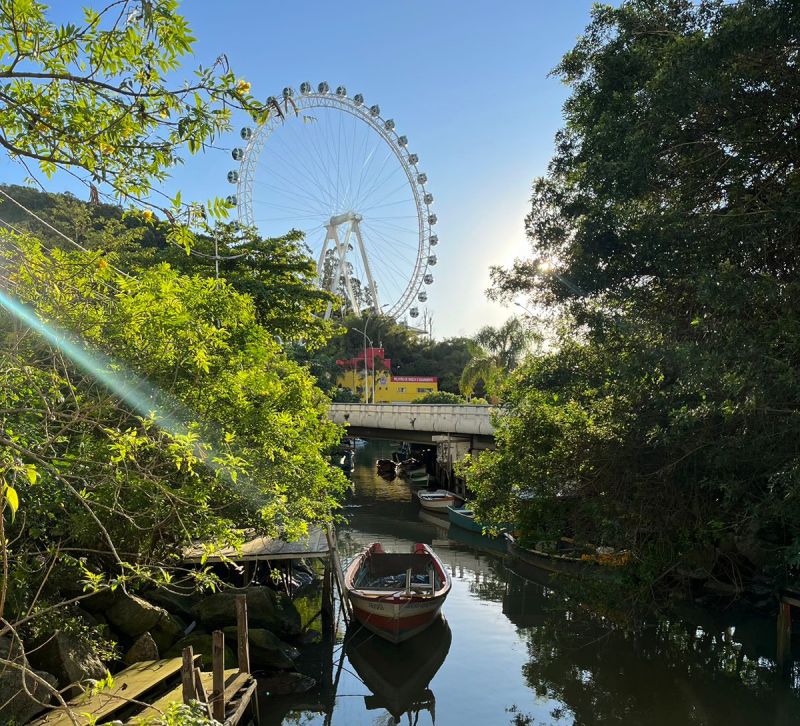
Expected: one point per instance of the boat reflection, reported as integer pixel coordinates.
(399, 675)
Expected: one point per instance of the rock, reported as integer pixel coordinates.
(167, 631)
(282, 684)
(172, 601)
(143, 648)
(133, 616)
(69, 660)
(202, 643)
(18, 706)
(266, 608)
(101, 601)
(266, 649)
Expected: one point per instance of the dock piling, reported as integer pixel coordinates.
(187, 675)
(218, 676)
(243, 634)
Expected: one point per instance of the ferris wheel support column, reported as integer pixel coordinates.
(376, 306)
(332, 234)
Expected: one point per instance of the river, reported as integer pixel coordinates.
(516, 650)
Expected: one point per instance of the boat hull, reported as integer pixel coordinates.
(398, 619)
(559, 564)
(460, 519)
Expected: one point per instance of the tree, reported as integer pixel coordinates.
(495, 352)
(665, 233)
(98, 98)
(277, 273)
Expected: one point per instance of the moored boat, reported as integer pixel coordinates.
(396, 594)
(437, 500)
(385, 466)
(570, 560)
(465, 518)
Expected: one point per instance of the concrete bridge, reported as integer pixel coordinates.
(417, 422)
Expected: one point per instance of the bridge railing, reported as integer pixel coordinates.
(442, 418)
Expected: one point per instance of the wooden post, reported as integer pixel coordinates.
(784, 634)
(200, 691)
(218, 676)
(187, 675)
(242, 634)
(327, 596)
(338, 574)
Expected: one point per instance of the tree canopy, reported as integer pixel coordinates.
(666, 419)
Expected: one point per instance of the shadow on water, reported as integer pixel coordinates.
(514, 649)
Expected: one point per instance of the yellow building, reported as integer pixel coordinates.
(381, 384)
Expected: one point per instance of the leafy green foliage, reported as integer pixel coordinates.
(665, 420)
(495, 353)
(99, 94)
(277, 273)
(246, 446)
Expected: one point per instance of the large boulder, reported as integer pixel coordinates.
(132, 615)
(266, 608)
(167, 631)
(202, 643)
(172, 601)
(17, 705)
(267, 650)
(143, 648)
(70, 660)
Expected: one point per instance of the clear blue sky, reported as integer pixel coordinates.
(466, 81)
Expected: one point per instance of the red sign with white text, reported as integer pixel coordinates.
(414, 379)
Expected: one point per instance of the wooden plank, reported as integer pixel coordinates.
(242, 634)
(791, 600)
(218, 678)
(234, 682)
(129, 685)
(244, 702)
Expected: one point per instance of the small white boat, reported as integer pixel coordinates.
(437, 500)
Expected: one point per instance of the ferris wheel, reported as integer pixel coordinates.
(332, 167)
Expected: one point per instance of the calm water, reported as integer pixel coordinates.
(517, 651)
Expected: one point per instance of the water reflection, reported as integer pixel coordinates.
(399, 675)
(519, 651)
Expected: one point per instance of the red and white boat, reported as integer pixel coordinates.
(396, 594)
(437, 500)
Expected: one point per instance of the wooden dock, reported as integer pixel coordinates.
(148, 688)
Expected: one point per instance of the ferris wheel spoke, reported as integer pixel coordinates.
(377, 180)
(289, 191)
(315, 176)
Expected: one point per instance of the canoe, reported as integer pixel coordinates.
(575, 564)
(399, 675)
(396, 594)
(465, 518)
(409, 466)
(437, 500)
(420, 481)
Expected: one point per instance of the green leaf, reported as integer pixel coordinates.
(13, 500)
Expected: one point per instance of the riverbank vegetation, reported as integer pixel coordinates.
(144, 404)
(665, 420)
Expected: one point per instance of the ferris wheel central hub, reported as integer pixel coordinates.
(340, 219)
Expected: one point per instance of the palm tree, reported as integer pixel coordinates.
(495, 352)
